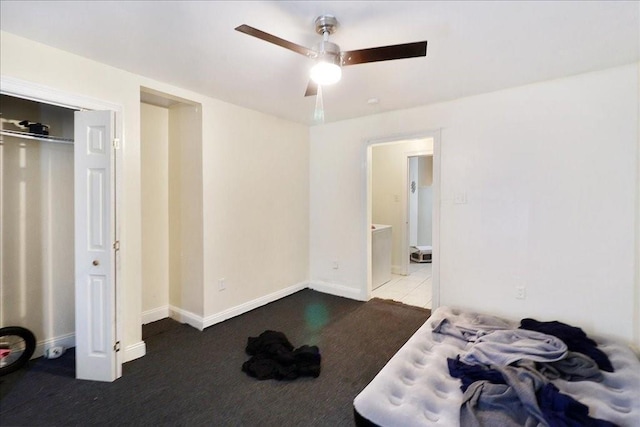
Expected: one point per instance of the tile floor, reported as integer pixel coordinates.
(414, 289)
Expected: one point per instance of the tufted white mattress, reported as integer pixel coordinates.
(415, 388)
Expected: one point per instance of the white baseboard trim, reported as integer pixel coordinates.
(66, 341)
(337, 290)
(200, 323)
(250, 305)
(184, 316)
(155, 314)
(397, 269)
(134, 351)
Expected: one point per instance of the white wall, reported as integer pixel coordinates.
(550, 172)
(154, 152)
(255, 172)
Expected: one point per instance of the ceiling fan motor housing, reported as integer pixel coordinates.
(328, 52)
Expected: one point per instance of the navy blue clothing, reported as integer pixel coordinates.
(537, 397)
(561, 410)
(468, 374)
(574, 337)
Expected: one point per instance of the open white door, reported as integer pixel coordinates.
(95, 246)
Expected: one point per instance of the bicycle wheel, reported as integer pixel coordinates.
(17, 345)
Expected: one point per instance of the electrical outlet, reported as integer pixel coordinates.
(336, 265)
(521, 292)
(54, 352)
(221, 284)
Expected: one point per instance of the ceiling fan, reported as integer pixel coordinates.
(328, 56)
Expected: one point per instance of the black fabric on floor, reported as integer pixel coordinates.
(273, 357)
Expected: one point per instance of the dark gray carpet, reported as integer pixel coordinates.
(194, 378)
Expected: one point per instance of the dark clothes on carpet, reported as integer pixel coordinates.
(274, 357)
(574, 337)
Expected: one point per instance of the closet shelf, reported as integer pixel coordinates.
(32, 136)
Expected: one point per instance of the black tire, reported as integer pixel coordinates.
(22, 344)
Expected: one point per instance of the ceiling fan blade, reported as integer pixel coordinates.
(275, 40)
(312, 89)
(384, 53)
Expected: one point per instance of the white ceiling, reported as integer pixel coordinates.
(473, 47)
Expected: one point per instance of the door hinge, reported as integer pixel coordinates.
(116, 143)
(116, 346)
(116, 245)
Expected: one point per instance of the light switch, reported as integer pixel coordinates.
(460, 198)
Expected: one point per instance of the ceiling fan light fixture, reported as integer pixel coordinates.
(327, 70)
(328, 56)
(326, 73)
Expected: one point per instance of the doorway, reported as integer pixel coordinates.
(389, 195)
(102, 273)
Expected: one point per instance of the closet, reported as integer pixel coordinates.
(37, 219)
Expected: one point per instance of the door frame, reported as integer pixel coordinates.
(435, 262)
(47, 95)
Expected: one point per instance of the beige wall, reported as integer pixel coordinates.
(254, 190)
(172, 211)
(185, 209)
(426, 171)
(256, 206)
(154, 152)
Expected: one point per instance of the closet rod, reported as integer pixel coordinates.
(35, 137)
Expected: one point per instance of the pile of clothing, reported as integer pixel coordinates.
(507, 369)
(274, 357)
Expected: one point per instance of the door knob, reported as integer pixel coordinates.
(96, 262)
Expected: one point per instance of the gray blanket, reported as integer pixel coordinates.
(470, 326)
(504, 347)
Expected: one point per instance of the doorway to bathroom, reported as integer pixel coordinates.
(402, 195)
